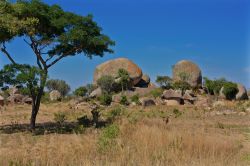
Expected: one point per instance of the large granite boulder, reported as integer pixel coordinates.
(190, 71)
(55, 95)
(111, 68)
(242, 94)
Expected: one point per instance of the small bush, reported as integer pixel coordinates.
(59, 85)
(106, 83)
(60, 117)
(124, 100)
(230, 90)
(116, 112)
(79, 129)
(81, 91)
(181, 85)
(214, 86)
(105, 99)
(177, 113)
(135, 99)
(107, 138)
(164, 82)
(156, 92)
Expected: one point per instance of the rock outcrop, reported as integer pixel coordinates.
(111, 68)
(55, 95)
(145, 102)
(190, 71)
(242, 93)
(96, 93)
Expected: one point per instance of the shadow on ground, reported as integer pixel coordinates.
(51, 127)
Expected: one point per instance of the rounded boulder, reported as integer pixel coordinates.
(187, 71)
(111, 68)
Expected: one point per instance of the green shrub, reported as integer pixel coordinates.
(156, 92)
(230, 90)
(124, 100)
(116, 112)
(124, 79)
(181, 85)
(105, 99)
(177, 113)
(59, 85)
(164, 82)
(135, 99)
(81, 91)
(214, 86)
(107, 138)
(60, 117)
(106, 83)
(79, 129)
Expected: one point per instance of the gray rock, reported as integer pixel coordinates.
(27, 100)
(172, 102)
(242, 94)
(15, 98)
(145, 102)
(55, 95)
(172, 94)
(96, 93)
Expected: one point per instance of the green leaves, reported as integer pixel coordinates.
(53, 32)
(25, 75)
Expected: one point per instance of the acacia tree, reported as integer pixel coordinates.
(52, 34)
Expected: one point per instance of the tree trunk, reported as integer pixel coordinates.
(37, 101)
(35, 109)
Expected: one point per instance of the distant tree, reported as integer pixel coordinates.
(181, 85)
(124, 79)
(164, 82)
(52, 34)
(106, 83)
(214, 86)
(59, 85)
(230, 90)
(81, 91)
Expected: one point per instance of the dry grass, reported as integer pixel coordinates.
(143, 139)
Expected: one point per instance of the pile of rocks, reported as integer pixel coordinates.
(175, 97)
(15, 97)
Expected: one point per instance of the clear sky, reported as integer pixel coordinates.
(156, 34)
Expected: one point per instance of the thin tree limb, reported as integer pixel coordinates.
(3, 49)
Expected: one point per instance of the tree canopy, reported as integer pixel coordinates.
(52, 34)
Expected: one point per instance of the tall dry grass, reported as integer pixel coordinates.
(147, 142)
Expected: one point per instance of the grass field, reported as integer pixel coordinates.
(136, 136)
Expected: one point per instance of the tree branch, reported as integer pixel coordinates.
(55, 61)
(40, 60)
(3, 49)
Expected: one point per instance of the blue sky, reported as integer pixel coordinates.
(156, 34)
